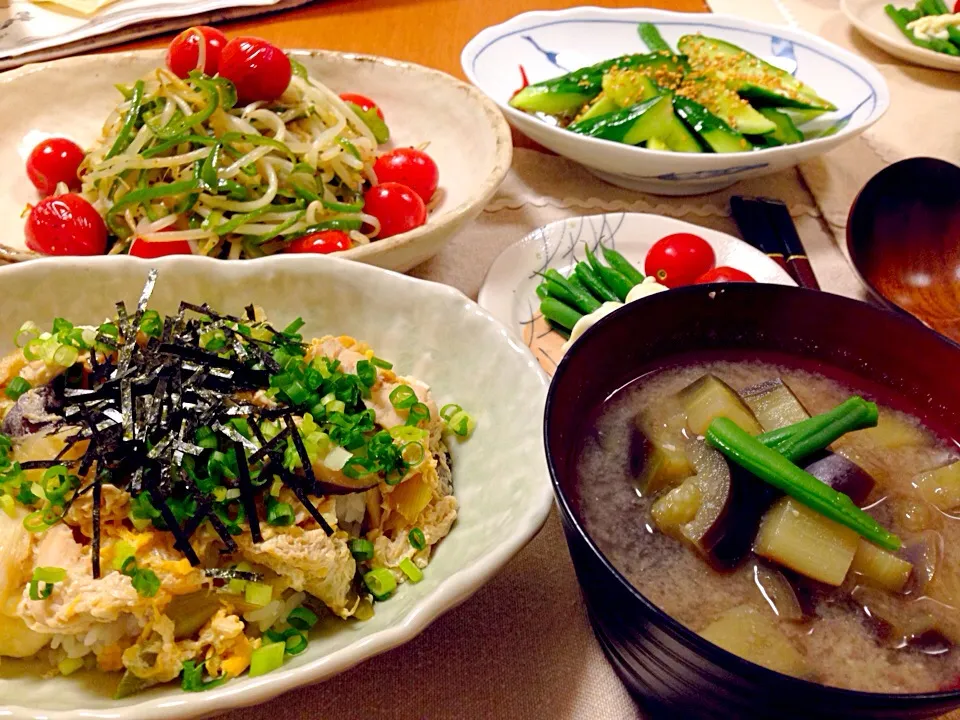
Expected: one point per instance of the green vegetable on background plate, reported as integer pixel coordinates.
(928, 25)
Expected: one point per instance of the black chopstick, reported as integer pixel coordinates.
(766, 224)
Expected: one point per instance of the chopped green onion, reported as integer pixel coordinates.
(366, 372)
(409, 434)
(295, 642)
(151, 324)
(267, 658)
(68, 666)
(48, 576)
(357, 467)
(769, 465)
(412, 453)
(417, 539)
(193, 681)
(8, 505)
(122, 552)
(383, 364)
(413, 573)
(65, 355)
(40, 520)
(302, 618)
(461, 424)
(380, 582)
(449, 410)
(258, 594)
(33, 349)
(16, 387)
(206, 437)
(361, 549)
(418, 412)
(403, 397)
(27, 332)
(279, 513)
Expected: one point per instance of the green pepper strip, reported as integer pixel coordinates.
(238, 220)
(208, 172)
(342, 206)
(349, 147)
(180, 126)
(258, 140)
(125, 136)
(813, 434)
(769, 465)
(179, 140)
(334, 224)
(286, 225)
(138, 197)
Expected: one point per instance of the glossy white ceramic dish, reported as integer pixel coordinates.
(871, 21)
(428, 330)
(509, 289)
(548, 44)
(464, 132)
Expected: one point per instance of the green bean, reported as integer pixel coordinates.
(954, 33)
(542, 292)
(560, 292)
(560, 313)
(813, 434)
(623, 266)
(941, 7)
(770, 466)
(582, 300)
(588, 277)
(611, 278)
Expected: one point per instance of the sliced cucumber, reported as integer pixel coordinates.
(632, 125)
(657, 144)
(786, 132)
(726, 104)
(602, 105)
(628, 87)
(567, 94)
(748, 75)
(718, 136)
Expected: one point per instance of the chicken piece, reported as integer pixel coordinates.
(114, 508)
(38, 372)
(79, 602)
(309, 560)
(17, 640)
(435, 522)
(11, 366)
(15, 548)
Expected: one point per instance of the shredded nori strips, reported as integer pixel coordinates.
(139, 415)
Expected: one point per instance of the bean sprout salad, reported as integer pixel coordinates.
(232, 151)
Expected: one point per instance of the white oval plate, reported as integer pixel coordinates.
(509, 289)
(548, 44)
(869, 18)
(467, 135)
(428, 330)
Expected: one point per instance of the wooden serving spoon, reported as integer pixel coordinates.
(903, 235)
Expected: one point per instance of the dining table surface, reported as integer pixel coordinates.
(521, 648)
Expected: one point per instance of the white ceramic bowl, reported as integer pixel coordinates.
(548, 44)
(870, 19)
(428, 330)
(468, 137)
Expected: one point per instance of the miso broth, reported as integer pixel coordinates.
(885, 624)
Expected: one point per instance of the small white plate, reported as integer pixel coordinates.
(509, 290)
(869, 17)
(550, 43)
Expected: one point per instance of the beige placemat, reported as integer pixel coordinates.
(522, 646)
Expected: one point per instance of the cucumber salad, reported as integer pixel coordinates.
(929, 24)
(707, 96)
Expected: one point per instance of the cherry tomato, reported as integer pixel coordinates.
(143, 249)
(956, 8)
(325, 241)
(259, 69)
(65, 225)
(397, 207)
(183, 55)
(410, 167)
(679, 259)
(724, 274)
(54, 161)
(362, 101)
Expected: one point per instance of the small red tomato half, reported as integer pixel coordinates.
(54, 161)
(65, 225)
(260, 70)
(361, 101)
(724, 274)
(183, 55)
(679, 259)
(323, 242)
(956, 9)
(397, 207)
(410, 167)
(159, 248)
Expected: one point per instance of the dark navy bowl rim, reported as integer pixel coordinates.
(711, 652)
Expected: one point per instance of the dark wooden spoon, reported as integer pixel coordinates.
(903, 235)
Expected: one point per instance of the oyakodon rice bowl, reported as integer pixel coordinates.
(254, 479)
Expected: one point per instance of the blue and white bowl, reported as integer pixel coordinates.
(547, 44)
